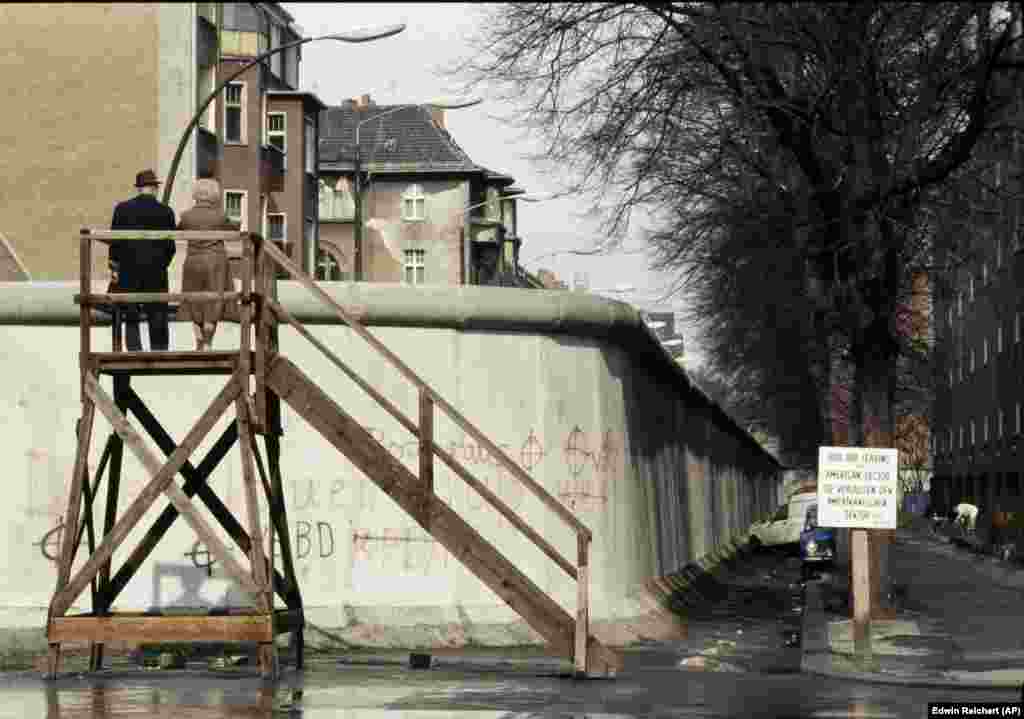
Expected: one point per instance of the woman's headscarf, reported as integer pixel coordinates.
(206, 192)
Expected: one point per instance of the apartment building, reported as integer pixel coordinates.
(430, 214)
(260, 136)
(978, 433)
(99, 91)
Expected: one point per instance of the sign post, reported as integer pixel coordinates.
(858, 488)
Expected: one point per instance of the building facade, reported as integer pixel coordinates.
(259, 137)
(430, 214)
(978, 437)
(84, 117)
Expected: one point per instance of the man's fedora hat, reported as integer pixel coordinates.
(146, 178)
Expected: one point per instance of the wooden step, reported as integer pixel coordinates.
(173, 627)
(539, 610)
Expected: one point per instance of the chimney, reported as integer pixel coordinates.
(437, 115)
(361, 102)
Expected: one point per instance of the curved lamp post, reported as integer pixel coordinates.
(354, 36)
(358, 174)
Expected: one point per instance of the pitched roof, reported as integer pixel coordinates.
(405, 140)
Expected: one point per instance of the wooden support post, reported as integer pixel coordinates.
(860, 560)
(85, 311)
(279, 514)
(162, 479)
(122, 391)
(426, 453)
(582, 606)
(70, 532)
(262, 313)
(265, 600)
(245, 323)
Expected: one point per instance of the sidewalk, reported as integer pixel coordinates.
(958, 620)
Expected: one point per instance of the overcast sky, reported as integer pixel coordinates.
(401, 69)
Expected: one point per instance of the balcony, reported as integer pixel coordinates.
(207, 153)
(207, 50)
(272, 168)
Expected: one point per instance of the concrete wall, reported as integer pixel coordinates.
(572, 386)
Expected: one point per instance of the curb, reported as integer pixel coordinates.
(817, 657)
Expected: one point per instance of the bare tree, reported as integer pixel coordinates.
(853, 123)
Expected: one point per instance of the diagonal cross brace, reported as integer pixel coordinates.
(162, 481)
(196, 479)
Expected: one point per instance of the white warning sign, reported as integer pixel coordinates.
(858, 487)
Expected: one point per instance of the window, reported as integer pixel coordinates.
(205, 83)
(275, 41)
(950, 376)
(999, 252)
(234, 113)
(999, 338)
(1001, 423)
(414, 266)
(326, 267)
(951, 445)
(949, 316)
(972, 433)
(235, 208)
(310, 146)
(961, 436)
(984, 430)
(336, 200)
(984, 274)
(984, 352)
(972, 360)
(970, 287)
(959, 304)
(413, 203)
(960, 370)
(277, 226)
(277, 133)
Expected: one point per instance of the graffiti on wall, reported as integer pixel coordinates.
(589, 460)
(411, 548)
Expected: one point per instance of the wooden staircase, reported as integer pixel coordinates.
(435, 516)
(277, 379)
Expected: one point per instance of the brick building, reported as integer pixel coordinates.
(98, 91)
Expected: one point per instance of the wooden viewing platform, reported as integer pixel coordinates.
(257, 363)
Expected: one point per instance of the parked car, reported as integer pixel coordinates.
(817, 545)
(784, 528)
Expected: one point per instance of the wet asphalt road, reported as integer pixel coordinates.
(741, 632)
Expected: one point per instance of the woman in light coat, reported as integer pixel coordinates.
(206, 266)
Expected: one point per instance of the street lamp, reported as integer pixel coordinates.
(358, 184)
(355, 36)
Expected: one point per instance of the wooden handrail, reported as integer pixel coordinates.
(108, 236)
(124, 298)
(457, 467)
(546, 497)
(383, 401)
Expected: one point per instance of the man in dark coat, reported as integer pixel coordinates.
(141, 266)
